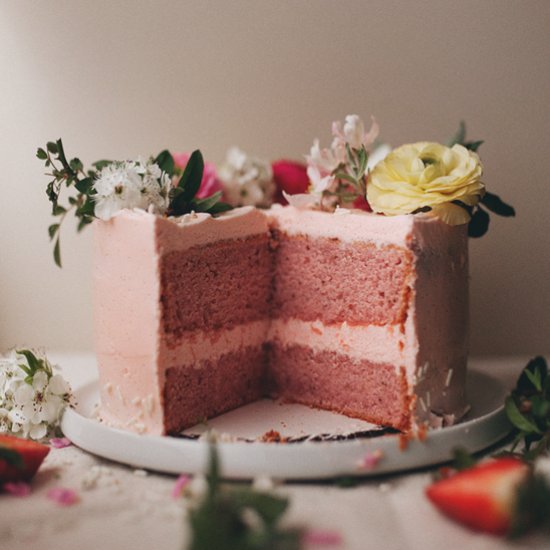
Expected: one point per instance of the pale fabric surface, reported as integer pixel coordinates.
(128, 510)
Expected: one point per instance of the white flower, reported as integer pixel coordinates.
(247, 181)
(32, 398)
(337, 174)
(354, 133)
(131, 184)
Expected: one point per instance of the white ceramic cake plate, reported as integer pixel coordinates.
(340, 450)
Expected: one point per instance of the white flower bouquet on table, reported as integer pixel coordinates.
(32, 397)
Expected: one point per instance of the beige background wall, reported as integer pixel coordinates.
(122, 78)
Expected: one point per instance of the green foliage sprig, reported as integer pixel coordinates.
(67, 174)
(70, 174)
(219, 521)
(528, 409)
(479, 223)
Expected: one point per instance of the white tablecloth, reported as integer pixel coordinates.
(120, 507)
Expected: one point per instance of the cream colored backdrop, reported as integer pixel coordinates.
(122, 78)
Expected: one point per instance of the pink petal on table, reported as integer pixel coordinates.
(322, 538)
(180, 485)
(60, 442)
(17, 488)
(371, 460)
(62, 496)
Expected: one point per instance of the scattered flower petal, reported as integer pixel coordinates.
(60, 442)
(181, 483)
(62, 496)
(17, 488)
(370, 460)
(322, 538)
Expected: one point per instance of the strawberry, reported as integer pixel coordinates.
(482, 497)
(20, 458)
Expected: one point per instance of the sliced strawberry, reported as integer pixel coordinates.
(20, 458)
(482, 497)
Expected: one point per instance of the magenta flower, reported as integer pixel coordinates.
(62, 496)
(210, 183)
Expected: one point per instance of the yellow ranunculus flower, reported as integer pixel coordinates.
(427, 174)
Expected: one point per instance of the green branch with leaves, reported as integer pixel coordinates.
(82, 195)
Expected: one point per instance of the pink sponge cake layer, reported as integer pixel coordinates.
(352, 312)
(334, 282)
(331, 380)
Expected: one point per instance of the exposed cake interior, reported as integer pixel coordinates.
(335, 311)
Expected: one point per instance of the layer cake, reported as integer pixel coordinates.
(348, 311)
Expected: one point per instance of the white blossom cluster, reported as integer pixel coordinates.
(32, 397)
(247, 181)
(131, 184)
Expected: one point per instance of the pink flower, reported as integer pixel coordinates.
(180, 485)
(62, 496)
(60, 442)
(17, 488)
(210, 183)
(290, 177)
(322, 538)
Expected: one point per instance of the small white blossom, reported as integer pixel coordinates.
(247, 181)
(32, 398)
(131, 184)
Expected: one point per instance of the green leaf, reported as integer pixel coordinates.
(535, 378)
(473, 145)
(87, 209)
(33, 361)
(345, 177)
(84, 185)
(518, 419)
(11, 457)
(191, 178)
(57, 210)
(57, 253)
(495, 204)
(459, 136)
(83, 223)
(100, 164)
(219, 208)
(41, 154)
(165, 161)
(52, 147)
(479, 224)
(203, 205)
(52, 230)
(76, 165)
